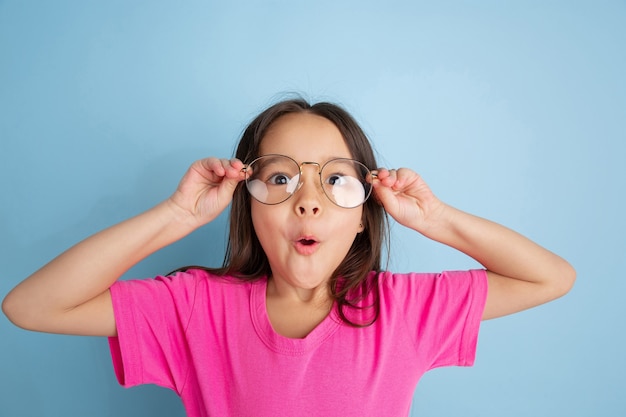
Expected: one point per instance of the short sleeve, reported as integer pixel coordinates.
(151, 317)
(443, 311)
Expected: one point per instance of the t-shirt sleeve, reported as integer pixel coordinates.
(444, 312)
(151, 317)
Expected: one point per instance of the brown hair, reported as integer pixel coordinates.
(352, 281)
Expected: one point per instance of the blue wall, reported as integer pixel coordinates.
(515, 111)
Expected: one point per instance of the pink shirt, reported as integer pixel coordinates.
(210, 340)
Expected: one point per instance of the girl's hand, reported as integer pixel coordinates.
(407, 198)
(207, 188)
(521, 273)
(71, 293)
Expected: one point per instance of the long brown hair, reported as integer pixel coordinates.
(353, 280)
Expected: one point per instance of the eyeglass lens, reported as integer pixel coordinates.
(272, 179)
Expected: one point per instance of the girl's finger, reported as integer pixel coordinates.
(387, 176)
(213, 166)
(234, 170)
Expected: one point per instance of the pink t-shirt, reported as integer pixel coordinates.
(210, 340)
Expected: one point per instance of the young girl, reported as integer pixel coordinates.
(300, 320)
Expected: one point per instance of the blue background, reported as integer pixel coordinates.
(515, 111)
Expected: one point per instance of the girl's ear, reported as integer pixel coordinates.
(361, 227)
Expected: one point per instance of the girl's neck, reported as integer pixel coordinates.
(295, 312)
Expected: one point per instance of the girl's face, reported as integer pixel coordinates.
(306, 237)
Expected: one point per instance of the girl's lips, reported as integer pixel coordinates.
(306, 245)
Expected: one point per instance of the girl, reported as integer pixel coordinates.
(300, 320)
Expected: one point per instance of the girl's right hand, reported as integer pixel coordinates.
(207, 188)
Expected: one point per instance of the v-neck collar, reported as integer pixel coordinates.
(282, 344)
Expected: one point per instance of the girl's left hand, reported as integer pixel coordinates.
(521, 273)
(407, 198)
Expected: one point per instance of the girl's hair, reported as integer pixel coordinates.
(353, 281)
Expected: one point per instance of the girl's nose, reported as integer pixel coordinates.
(308, 199)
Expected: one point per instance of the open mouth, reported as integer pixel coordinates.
(307, 245)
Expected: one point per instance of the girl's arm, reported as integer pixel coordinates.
(521, 273)
(71, 293)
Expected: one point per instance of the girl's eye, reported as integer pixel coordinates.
(336, 179)
(278, 179)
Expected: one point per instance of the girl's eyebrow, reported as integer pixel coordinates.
(321, 162)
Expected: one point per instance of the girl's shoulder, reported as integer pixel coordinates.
(209, 279)
(420, 283)
(187, 283)
(391, 277)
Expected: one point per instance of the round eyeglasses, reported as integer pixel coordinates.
(273, 179)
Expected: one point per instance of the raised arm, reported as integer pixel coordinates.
(71, 293)
(521, 273)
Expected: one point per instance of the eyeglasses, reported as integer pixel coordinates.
(273, 179)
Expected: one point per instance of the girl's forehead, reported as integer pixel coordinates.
(304, 137)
